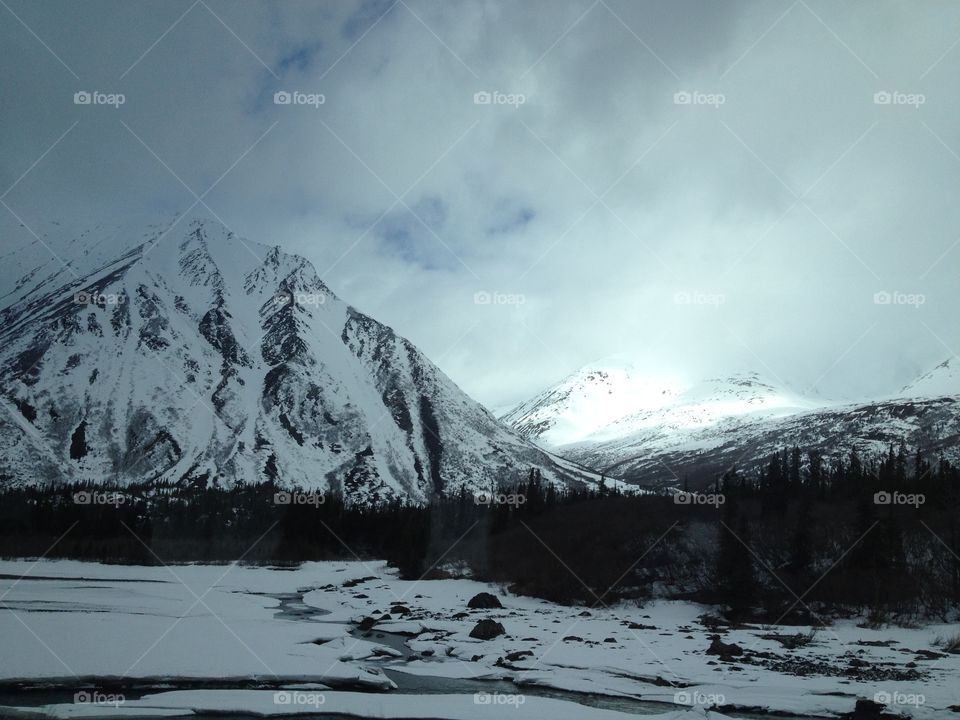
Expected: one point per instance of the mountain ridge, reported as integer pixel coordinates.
(701, 429)
(192, 355)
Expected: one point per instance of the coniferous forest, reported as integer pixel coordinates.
(791, 540)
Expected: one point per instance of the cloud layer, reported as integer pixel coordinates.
(520, 188)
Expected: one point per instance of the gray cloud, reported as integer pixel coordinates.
(602, 215)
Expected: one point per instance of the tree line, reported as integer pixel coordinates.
(793, 538)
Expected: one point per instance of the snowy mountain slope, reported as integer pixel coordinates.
(667, 459)
(208, 358)
(612, 399)
(697, 432)
(738, 398)
(942, 381)
(587, 401)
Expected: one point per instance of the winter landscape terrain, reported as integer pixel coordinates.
(479, 359)
(349, 639)
(210, 361)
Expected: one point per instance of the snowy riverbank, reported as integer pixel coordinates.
(237, 636)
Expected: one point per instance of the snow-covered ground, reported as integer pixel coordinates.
(281, 641)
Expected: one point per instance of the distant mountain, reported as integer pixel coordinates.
(211, 359)
(942, 381)
(588, 401)
(611, 399)
(664, 434)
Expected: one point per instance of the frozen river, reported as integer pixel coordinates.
(348, 639)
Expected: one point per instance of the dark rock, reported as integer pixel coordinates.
(610, 640)
(790, 642)
(518, 655)
(724, 650)
(866, 710)
(487, 629)
(573, 638)
(357, 581)
(367, 623)
(876, 643)
(400, 610)
(484, 601)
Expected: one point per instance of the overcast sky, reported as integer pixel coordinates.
(704, 186)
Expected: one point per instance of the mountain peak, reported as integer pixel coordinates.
(189, 354)
(612, 397)
(941, 381)
(590, 398)
(701, 429)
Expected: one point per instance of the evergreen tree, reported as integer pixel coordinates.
(734, 574)
(801, 550)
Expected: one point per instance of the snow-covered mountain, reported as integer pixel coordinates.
(610, 418)
(942, 381)
(611, 399)
(188, 354)
(591, 399)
